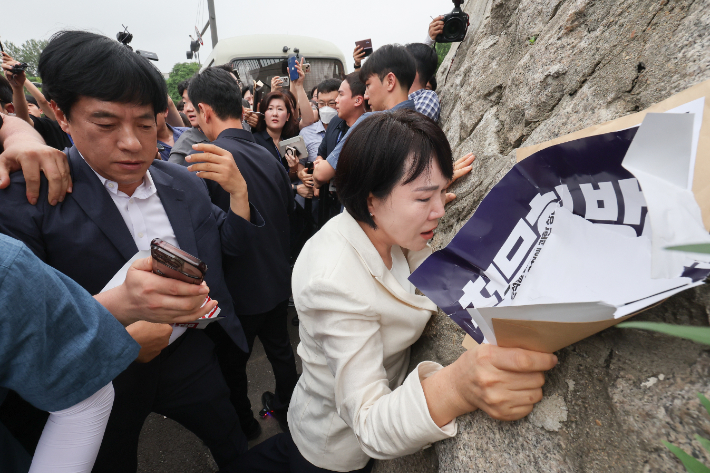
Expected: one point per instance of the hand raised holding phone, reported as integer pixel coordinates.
(147, 296)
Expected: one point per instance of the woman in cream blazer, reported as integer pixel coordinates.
(359, 316)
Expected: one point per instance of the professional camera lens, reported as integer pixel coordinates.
(453, 28)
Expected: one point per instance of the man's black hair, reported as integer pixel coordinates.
(328, 86)
(31, 100)
(357, 87)
(183, 86)
(384, 150)
(5, 90)
(81, 64)
(216, 88)
(432, 82)
(313, 93)
(426, 59)
(247, 88)
(392, 58)
(225, 67)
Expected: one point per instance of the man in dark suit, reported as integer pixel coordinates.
(260, 281)
(106, 97)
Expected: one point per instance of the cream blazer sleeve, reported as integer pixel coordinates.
(387, 423)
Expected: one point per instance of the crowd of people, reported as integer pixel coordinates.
(101, 162)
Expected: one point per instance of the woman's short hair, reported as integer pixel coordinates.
(291, 128)
(384, 150)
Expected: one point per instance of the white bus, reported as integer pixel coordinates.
(260, 57)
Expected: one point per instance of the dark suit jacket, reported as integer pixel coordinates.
(337, 128)
(86, 238)
(260, 279)
(263, 139)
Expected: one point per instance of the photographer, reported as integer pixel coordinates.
(425, 101)
(46, 126)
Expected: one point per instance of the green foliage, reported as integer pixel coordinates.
(699, 248)
(180, 72)
(696, 334)
(28, 52)
(442, 49)
(690, 463)
(706, 404)
(532, 39)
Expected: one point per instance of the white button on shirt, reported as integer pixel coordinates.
(145, 218)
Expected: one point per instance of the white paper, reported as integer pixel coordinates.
(587, 262)
(659, 157)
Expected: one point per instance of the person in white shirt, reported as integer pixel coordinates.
(359, 316)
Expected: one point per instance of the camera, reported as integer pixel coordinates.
(124, 37)
(455, 25)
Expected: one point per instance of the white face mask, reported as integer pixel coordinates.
(327, 114)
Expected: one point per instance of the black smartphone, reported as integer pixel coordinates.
(171, 262)
(309, 167)
(366, 45)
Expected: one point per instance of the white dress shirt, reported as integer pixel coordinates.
(145, 218)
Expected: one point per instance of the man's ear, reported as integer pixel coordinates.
(10, 108)
(205, 110)
(390, 81)
(62, 119)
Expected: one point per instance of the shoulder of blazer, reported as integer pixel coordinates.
(351, 231)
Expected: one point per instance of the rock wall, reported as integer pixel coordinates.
(616, 395)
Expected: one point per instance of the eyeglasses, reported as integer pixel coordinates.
(330, 104)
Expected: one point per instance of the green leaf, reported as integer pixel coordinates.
(696, 334)
(705, 402)
(698, 248)
(703, 441)
(689, 462)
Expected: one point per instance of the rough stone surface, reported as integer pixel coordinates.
(592, 61)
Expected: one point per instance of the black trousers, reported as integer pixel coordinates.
(272, 329)
(280, 455)
(184, 383)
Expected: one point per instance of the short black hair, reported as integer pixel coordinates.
(5, 90)
(328, 86)
(31, 100)
(247, 88)
(225, 67)
(357, 87)
(183, 86)
(426, 60)
(218, 89)
(313, 93)
(78, 64)
(375, 155)
(392, 58)
(432, 82)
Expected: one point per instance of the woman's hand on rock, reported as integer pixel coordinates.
(504, 382)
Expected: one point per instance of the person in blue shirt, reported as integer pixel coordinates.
(167, 134)
(58, 347)
(388, 75)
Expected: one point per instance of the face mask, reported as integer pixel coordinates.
(327, 114)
